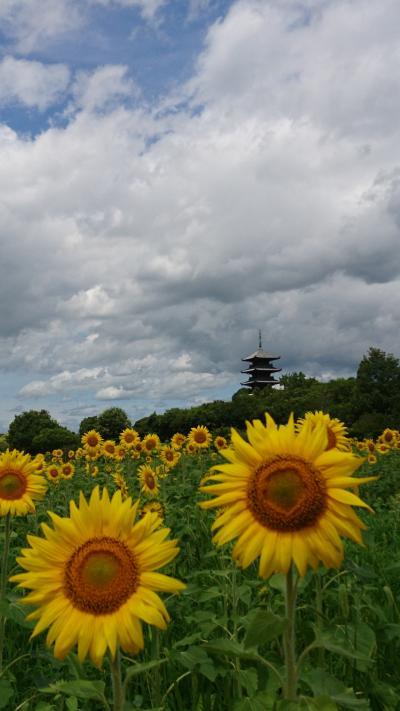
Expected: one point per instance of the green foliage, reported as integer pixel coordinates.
(55, 438)
(112, 422)
(378, 384)
(4, 443)
(26, 426)
(87, 424)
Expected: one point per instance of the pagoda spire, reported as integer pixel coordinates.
(259, 338)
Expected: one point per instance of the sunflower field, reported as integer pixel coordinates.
(258, 572)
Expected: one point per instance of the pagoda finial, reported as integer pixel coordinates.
(259, 338)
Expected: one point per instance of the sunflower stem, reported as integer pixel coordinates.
(118, 689)
(289, 638)
(3, 582)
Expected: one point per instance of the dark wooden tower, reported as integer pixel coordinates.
(261, 368)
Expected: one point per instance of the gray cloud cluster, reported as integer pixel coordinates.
(143, 247)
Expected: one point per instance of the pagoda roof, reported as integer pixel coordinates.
(260, 353)
(261, 370)
(251, 383)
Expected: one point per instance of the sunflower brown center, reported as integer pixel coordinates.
(200, 437)
(100, 576)
(150, 481)
(129, 437)
(12, 485)
(287, 494)
(92, 441)
(332, 439)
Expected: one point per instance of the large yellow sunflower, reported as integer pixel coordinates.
(284, 496)
(20, 484)
(92, 577)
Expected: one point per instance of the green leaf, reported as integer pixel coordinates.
(320, 682)
(306, 703)
(81, 688)
(264, 627)
(44, 706)
(72, 703)
(15, 613)
(6, 692)
(249, 680)
(143, 667)
(348, 643)
(229, 648)
(260, 702)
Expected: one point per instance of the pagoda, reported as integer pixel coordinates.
(261, 368)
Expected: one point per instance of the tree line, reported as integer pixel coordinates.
(366, 403)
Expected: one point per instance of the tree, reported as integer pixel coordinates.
(26, 426)
(88, 423)
(377, 384)
(112, 422)
(55, 438)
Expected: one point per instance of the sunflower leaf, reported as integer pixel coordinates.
(142, 667)
(81, 688)
(264, 627)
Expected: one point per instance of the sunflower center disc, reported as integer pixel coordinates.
(332, 439)
(287, 494)
(100, 576)
(12, 486)
(200, 437)
(150, 481)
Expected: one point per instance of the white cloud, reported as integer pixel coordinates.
(30, 24)
(32, 83)
(148, 8)
(103, 88)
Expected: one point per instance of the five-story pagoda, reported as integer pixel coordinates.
(261, 368)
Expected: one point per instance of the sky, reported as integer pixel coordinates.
(177, 174)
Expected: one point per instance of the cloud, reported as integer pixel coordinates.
(29, 26)
(140, 263)
(148, 8)
(103, 88)
(32, 83)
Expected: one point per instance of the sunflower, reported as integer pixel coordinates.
(92, 440)
(285, 497)
(372, 459)
(335, 429)
(388, 436)
(120, 482)
(120, 453)
(67, 470)
(92, 577)
(57, 453)
(150, 442)
(220, 442)
(109, 448)
(153, 507)
(148, 480)
(71, 454)
(200, 436)
(128, 437)
(20, 484)
(382, 448)
(53, 472)
(169, 456)
(178, 440)
(370, 445)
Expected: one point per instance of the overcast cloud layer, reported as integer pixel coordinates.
(145, 238)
